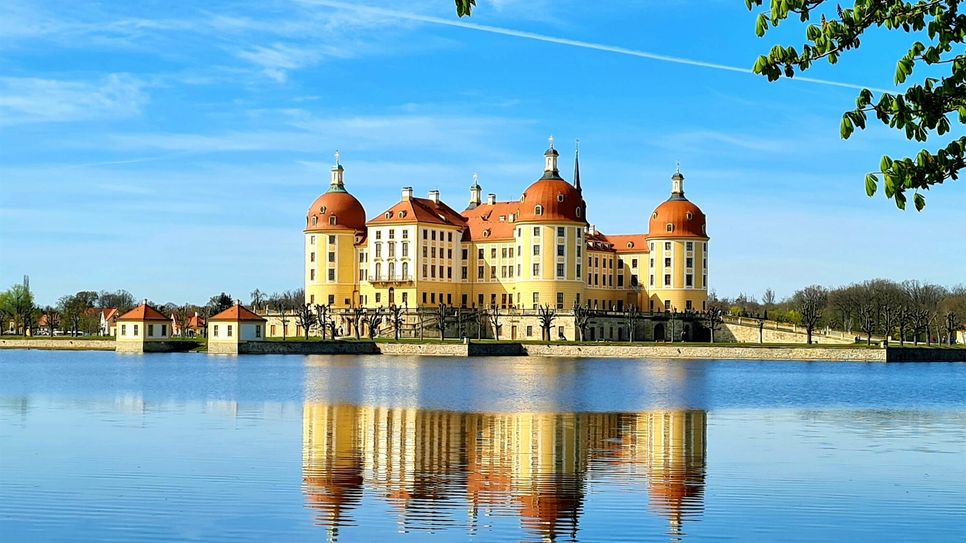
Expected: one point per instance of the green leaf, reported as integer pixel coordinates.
(870, 184)
(900, 200)
(919, 201)
(847, 127)
(761, 25)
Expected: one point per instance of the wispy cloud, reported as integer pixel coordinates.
(36, 100)
(559, 40)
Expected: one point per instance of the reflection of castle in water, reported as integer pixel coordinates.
(431, 464)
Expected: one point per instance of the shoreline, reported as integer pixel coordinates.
(690, 351)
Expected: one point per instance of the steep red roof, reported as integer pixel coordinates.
(196, 322)
(236, 313)
(143, 312)
(423, 210)
(628, 243)
(108, 313)
(484, 221)
(598, 242)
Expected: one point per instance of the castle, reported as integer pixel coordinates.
(537, 251)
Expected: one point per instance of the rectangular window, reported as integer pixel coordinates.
(424, 297)
(560, 300)
(578, 233)
(667, 279)
(667, 262)
(503, 252)
(405, 248)
(123, 329)
(634, 280)
(620, 263)
(465, 254)
(633, 262)
(258, 330)
(432, 297)
(425, 251)
(312, 274)
(378, 234)
(432, 271)
(620, 280)
(378, 297)
(536, 250)
(312, 256)
(449, 253)
(560, 250)
(331, 299)
(392, 251)
(503, 272)
(378, 250)
(433, 252)
(667, 245)
(449, 272)
(449, 237)
(479, 274)
(449, 298)
(331, 275)
(652, 280)
(560, 231)
(311, 298)
(560, 270)
(164, 329)
(519, 268)
(425, 236)
(331, 240)
(332, 254)
(493, 252)
(229, 330)
(667, 305)
(492, 272)
(689, 262)
(529, 331)
(480, 300)
(536, 297)
(689, 280)
(578, 271)
(536, 270)
(432, 236)
(425, 271)
(405, 297)
(536, 230)
(312, 240)
(492, 300)
(464, 273)
(405, 234)
(392, 233)
(215, 330)
(690, 246)
(479, 254)
(150, 330)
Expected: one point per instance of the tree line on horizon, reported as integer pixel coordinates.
(911, 310)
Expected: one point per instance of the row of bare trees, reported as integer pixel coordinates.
(908, 311)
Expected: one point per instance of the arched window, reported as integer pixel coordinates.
(389, 214)
(670, 227)
(315, 221)
(654, 215)
(690, 215)
(560, 197)
(405, 270)
(538, 210)
(322, 210)
(392, 269)
(332, 219)
(579, 212)
(486, 233)
(402, 214)
(378, 270)
(630, 244)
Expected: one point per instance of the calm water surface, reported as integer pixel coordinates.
(185, 447)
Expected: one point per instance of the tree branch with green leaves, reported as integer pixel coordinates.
(925, 109)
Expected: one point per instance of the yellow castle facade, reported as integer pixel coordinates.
(539, 250)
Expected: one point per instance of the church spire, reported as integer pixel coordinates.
(577, 165)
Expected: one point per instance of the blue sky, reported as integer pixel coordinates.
(172, 149)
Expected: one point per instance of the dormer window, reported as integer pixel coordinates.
(315, 221)
(486, 233)
(502, 218)
(389, 214)
(670, 227)
(402, 214)
(538, 210)
(630, 244)
(332, 219)
(322, 210)
(654, 215)
(560, 197)
(690, 215)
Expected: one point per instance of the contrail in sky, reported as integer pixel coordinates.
(562, 41)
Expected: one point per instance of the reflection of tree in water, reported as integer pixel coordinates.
(432, 464)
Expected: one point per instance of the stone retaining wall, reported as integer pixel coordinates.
(731, 332)
(428, 349)
(707, 353)
(307, 347)
(59, 344)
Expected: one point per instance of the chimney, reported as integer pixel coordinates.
(434, 196)
(407, 193)
(491, 198)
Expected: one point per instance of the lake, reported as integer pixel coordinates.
(96, 446)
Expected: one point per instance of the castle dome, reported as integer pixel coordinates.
(677, 217)
(551, 198)
(336, 209)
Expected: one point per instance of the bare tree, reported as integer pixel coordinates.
(442, 311)
(373, 320)
(323, 319)
(397, 316)
(631, 315)
(258, 298)
(357, 320)
(305, 318)
(811, 301)
(715, 316)
(768, 298)
(951, 323)
(581, 320)
(494, 316)
(182, 317)
(546, 316)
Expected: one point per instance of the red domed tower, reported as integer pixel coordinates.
(678, 262)
(334, 224)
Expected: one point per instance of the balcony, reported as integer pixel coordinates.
(391, 280)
